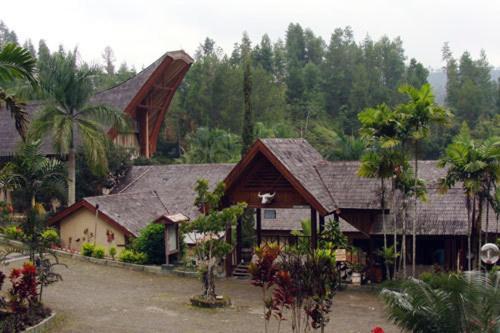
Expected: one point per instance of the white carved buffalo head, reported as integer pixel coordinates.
(266, 198)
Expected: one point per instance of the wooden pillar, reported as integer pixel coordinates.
(336, 217)
(321, 224)
(239, 240)
(314, 229)
(146, 134)
(229, 265)
(165, 234)
(258, 226)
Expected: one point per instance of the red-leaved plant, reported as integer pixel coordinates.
(283, 295)
(377, 329)
(23, 292)
(263, 271)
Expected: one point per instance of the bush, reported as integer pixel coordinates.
(98, 252)
(133, 257)
(87, 249)
(50, 237)
(112, 252)
(14, 232)
(152, 243)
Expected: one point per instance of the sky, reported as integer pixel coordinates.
(141, 31)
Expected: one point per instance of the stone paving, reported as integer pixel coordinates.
(95, 298)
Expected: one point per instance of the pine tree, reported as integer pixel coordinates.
(248, 134)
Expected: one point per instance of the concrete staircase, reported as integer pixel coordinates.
(241, 271)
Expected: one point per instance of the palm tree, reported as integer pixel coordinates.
(379, 128)
(489, 151)
(466, 303)
(212, 146)
(419, 113)
(70, 119)
(16, 63)
(477, 168)
(31, 172)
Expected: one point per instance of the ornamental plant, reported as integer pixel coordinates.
(23, 292)
(112, 252)
(263, 271)
(98, 252)
(87, 249)
(209, 229)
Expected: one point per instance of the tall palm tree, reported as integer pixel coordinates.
(70, 119)
(379, 129)
(489, 151)
(419, 114)
(16, 63)
(466, 303)
(476, 167)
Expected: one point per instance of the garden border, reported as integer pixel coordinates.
(112, 263)
(42, 326)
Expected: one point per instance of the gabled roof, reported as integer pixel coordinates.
(150, 192)
(296, 160)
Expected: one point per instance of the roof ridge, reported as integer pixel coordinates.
(135, 180)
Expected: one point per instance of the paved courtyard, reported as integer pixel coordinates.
(94, 298)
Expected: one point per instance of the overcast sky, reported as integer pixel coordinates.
(140, 31)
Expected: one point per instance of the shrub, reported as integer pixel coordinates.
(133, 257)
(50, 237)
(112, 252)
(23, 292)
(87, 249)
(98, 252)
(152, 243)
(14, 232)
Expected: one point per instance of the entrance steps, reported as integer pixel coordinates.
(241, 271)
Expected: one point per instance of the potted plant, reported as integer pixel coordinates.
(357, 268)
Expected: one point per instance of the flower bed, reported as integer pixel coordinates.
(203, 302)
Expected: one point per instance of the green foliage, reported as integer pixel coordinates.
(98, 252)
(453, 303)
(332, 237)
(16, 63)
(212, 146)
(90, 183)
(50, 237)
(68, 114)
(133, 257)
(14, 232)
(31, 173)
(152, 243)
(88, 249)
(112, 252)
(209, 226)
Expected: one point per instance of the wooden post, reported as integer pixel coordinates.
(314, 229)
(238, 239)
(321, 224)
(258, 226)
(229, 265)
(147, 134)
(165, 234)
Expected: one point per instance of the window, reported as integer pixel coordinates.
(270, 214)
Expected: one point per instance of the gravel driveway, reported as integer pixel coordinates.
(95, 298)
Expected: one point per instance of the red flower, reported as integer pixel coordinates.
(377, 329)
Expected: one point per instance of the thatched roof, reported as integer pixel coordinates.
(9, 137)
(124, 97)
(150, 191)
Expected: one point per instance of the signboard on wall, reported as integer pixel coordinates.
(340, 255)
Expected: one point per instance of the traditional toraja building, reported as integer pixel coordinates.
(145, 97)
(302, 185)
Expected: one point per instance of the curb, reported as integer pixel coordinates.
(112, 263)
(42, 326)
